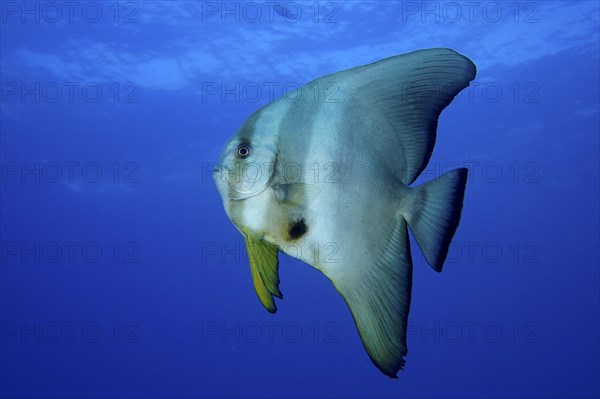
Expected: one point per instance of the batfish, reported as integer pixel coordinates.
(324, 175)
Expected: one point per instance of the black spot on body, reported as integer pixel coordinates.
(297, 229)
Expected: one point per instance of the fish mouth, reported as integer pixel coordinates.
(217, 173)
(217, 176)
(229, 191)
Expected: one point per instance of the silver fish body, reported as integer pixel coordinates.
(324, 175)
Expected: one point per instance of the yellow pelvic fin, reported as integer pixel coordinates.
(265, 269)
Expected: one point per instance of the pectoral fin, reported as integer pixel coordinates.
(296, 194)
(265, 270)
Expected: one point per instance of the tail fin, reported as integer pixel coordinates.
(435, 213)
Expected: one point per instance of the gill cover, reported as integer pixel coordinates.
(249, 175)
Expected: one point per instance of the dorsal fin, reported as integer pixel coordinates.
(405, 94)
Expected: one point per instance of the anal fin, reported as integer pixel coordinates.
(379, 299)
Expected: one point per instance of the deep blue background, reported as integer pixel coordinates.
(516, 316)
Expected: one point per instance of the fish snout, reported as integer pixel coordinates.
(219, 178)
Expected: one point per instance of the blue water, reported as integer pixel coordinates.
(121, 275)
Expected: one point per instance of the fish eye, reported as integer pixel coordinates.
(243, 151)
